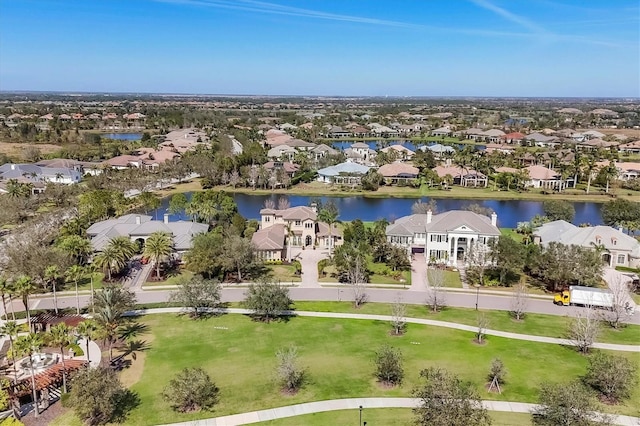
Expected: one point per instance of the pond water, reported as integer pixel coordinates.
(510, 212)
(379, 144)
(123, 136)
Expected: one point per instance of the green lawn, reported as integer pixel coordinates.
(382, 416)
(172, 280)
(534, 324)
(452, 279)
(239, 354)
(284, 273)
(510, 232)
(378, 275)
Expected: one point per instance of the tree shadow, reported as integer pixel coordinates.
(133, 329)
(125, 402)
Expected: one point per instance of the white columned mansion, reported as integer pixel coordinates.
(443, 238)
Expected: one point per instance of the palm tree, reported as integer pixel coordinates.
(60, 336)
(75, 274)
(589, 167)
(290, 234)
(6, 289)
(109, 260)
(158, 247)
(330, 217)
(91, 270)
(28, 346)
(11, 329)
(24, 287)
(111, 304)
(77, 247)
(88, 330)
(51, 277)
(124, 246)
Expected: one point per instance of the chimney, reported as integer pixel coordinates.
(314, 207)
(429, 215)
(621, 229)
(137, 220)
(13, 167)
(494, 219)
(166, 218)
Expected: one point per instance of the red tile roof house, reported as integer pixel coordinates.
(462, 177)
(395, 173)
(542, 177)
(514, 137)
(295, 227)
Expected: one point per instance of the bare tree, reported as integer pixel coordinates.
(234, 178)
(356, 277)
(519, 301)
(482, 322)
(283, 203)
(478, 258)
(435, 295)
(423, 208)
(583, 330)
(290, 375)
(398, 313)
(269, 204)
(621, 302)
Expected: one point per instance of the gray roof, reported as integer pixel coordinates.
(569, 234)
(126, 226)
(443, 222)
(350, 168)
(439, 148)
(14, 171)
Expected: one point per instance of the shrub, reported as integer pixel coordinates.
(191, 390)
(389, 368)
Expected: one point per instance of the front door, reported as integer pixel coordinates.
(308, 240)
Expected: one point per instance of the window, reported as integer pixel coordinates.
(298, 222)
(621, 258)
(267, 219)
(308, 225)
(438, 238)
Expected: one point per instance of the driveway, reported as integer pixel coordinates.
(418, 272)
(309, 260)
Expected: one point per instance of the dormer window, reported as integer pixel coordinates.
(614, 241)
(598, 239)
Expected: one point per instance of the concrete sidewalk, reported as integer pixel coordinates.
(455, 326)
(355, 404)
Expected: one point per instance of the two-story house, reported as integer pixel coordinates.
(615, 247)
(445, 237)
(295, 227)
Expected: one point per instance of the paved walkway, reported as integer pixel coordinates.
(355, 404)
(455, 326)
(95, 355)
(462, 268)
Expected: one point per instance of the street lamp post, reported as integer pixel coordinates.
(477, 286)
(360, 416)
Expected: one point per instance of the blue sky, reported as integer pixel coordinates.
(323, 47)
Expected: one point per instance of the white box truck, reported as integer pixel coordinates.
(585, 296)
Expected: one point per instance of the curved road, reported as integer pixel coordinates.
(485, 300)
(355, 404)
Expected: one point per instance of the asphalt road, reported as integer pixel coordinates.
(457, 299)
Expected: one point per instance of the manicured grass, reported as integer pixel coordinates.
(172, 280)
(383, 416)
(284, 273)
(510, 232)
(239, 354)
(382, 274)
(534, 324)
(85, 284)
(321, 189)
(452, 279)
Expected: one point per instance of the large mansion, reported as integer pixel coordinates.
(296, 226)
(616, 247)
(444, 238)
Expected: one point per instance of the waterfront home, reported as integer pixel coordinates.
(626, 170)
(322, 150)
(296, 227)
(442, 131)
(145, 158)
(360, 152)
(287, 167)
(338, 132)
(461, 176)
(140, 227)
(597, 143)
(615, 247)
(344, 173)
(381, 130)
(631, 147)
(34, 173)
(444, 238)
(439, 151)
(400, 151)
(543, 177)
(184, 140)
(83, 167)
(398, 172)
(492, 135)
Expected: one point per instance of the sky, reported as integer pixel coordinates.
(541, 48)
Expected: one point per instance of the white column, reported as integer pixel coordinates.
(455, 251)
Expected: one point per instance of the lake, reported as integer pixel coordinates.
(510, 212)
(122, 136)
(379, 144)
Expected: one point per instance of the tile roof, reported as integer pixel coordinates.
(347, 167)
(398, 170)
(271, 238)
